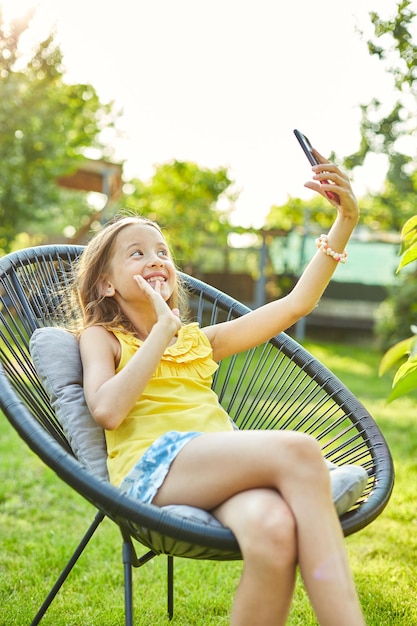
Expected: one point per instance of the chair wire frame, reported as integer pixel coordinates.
(278, 385)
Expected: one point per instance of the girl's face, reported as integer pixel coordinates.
(140, 249)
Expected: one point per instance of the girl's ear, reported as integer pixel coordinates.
(106, 289)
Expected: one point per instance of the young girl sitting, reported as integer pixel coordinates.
(147, 382)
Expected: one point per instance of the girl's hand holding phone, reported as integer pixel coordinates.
(315, 158)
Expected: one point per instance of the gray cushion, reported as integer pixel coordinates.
(57, 361)
(348, 483)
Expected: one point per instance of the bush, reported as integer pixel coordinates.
(397, 314)
(404, 352)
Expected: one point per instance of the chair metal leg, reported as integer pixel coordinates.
(170, 568)
(67, 569)
(128, 558)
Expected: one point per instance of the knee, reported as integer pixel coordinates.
(270, 537)
(305, 455)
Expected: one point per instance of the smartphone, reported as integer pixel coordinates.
(306, 146)
(308, 151)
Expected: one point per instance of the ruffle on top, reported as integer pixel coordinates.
(190, 355)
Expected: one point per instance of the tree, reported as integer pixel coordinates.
(392, 132)
(185, 197)
(46, 125)
(297, 213)
(388, 129)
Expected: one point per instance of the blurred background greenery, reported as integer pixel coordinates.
(51, 189)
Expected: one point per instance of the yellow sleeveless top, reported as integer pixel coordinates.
(177, 397)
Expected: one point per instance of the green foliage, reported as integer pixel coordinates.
(391, 132)
(398, 312)
(409, 242)
(185, 198)
(398, 28)
(46, 126)
(388, 132)
(405, 379)
(297, 213)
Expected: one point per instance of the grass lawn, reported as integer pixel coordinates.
(41, 521)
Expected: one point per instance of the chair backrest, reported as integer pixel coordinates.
(276, 386)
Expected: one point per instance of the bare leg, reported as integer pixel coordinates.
(214, 467)
(267, 537)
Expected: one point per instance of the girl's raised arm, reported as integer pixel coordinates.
(267, 321)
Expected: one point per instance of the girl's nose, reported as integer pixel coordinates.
(156, 260)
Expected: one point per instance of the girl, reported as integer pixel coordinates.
(147, 382)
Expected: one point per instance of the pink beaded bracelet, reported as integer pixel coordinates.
(323, 246)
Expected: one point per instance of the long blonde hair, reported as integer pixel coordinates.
(94, 263)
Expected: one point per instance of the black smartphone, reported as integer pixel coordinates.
(308, 151)
(306, 146)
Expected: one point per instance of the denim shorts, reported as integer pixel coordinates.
(144, 480)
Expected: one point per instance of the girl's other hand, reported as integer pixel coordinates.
(162, 310)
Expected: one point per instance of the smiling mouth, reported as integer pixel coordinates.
(155, 279)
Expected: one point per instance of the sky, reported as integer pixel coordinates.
(223, 83)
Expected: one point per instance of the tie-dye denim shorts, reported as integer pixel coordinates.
(144, 480)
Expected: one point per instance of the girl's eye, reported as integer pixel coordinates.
(163, 253)
(137, 253)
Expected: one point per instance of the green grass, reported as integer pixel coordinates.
(41, 521)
